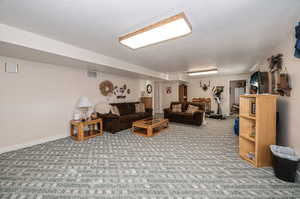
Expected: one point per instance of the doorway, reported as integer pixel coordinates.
(236, 88)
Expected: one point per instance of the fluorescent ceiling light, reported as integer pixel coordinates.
(170, 28)
(204, 72)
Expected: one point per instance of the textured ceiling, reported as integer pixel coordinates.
(231, 34)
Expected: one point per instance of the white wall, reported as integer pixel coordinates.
(194, 89)
(157, 106)
(172, 97)
(289, 107)
(38, 102)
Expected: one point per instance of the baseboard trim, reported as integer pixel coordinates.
(32, 143)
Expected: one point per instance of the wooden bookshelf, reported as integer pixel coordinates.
(257, 128)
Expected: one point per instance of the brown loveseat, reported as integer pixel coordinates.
(195, 118)
(114, 123)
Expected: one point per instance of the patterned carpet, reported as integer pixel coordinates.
(180, 162)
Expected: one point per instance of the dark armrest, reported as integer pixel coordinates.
(111, 122)
(149, 110)
(108, 116)
(198, 113)
(167, 110)
(198, 117)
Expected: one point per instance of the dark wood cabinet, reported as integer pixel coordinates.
(147, 101)
(182, 93)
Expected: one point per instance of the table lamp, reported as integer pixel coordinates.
(84, 104)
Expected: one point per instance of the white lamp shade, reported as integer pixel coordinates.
(84, 102)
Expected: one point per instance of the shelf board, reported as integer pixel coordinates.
(244, 156)
(251, 139)
(248, 116)
(88, 134)
(250, 96)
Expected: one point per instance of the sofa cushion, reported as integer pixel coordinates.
(131, 106)
(192, 109)
(182, 114)
(141, 114)
(123, 108)
(183, 106)
(115, 110)
(124, 118)
(133, 117)
(140, 108)
(176, 108)
(102, 108)
(200, 105)
(174, 103)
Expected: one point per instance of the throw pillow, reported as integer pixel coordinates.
(102, 108)
(192, 109)
(137, 108)
(140, 108)
(176, 108)
(115, 110)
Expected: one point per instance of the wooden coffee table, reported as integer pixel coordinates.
(148, 127)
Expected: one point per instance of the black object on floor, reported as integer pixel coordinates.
(217, 116)
(284, 168)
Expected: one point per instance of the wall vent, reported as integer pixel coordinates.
(92, 74)
(11, 67)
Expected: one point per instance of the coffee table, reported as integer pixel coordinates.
(148, 127)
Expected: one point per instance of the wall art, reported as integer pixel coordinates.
(149, 88)
(106, 88)
(169, 90)
(121, 92)
(204, 86)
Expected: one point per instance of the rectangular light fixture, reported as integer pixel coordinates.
(170, 28)
(203, 72)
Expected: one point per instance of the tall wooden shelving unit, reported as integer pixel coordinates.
(257, 128)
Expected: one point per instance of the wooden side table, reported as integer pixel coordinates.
(81, 134)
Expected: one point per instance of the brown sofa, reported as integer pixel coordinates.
(114, 123)
(195, 118)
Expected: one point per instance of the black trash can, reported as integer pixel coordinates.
(285, 163)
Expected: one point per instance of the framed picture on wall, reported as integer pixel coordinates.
(149, 88)
(169, 90)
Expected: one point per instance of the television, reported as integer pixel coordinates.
(259, 83)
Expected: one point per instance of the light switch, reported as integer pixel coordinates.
(11, 67)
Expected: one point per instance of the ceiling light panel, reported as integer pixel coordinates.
(170, 28)
(209, 72)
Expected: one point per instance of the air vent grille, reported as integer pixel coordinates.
(92, 74)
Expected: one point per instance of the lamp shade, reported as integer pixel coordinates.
(84, 102)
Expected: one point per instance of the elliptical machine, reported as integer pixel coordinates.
(217, 94)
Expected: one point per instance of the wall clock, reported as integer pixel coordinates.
(149, 88)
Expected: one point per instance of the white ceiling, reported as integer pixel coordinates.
(233, 34)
